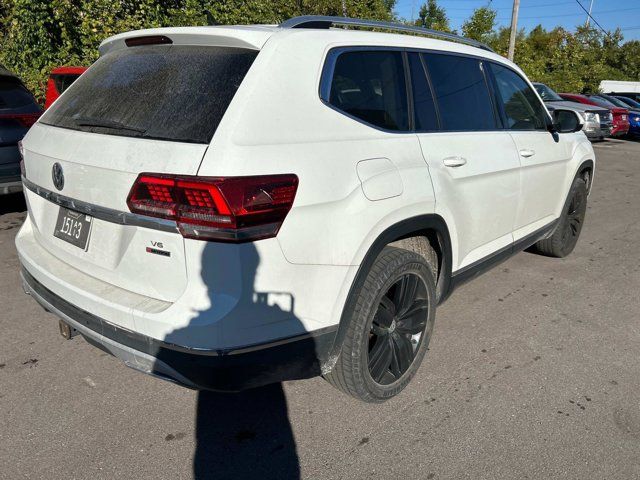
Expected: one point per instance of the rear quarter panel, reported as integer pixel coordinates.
(278, 124)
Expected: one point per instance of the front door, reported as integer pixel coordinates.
(544, 157)
(473, 163)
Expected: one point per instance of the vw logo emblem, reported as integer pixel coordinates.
(57, 175)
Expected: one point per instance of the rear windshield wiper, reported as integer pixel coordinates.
(96, 122)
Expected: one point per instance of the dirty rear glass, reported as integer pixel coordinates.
(166, 92)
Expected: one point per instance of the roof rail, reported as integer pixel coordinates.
(324, 22)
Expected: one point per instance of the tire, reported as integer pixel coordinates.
(565, 237)
(383, 349)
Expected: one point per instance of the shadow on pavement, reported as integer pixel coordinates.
(12, 203)
(246, 434)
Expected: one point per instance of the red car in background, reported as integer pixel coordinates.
(59, 80)
(620, 115)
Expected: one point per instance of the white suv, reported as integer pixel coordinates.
(226, 207)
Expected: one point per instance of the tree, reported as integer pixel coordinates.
(480, 25)
(38, 35)
(433, 17)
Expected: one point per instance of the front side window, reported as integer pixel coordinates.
(522, 109)
(370, 86)
(461, 92)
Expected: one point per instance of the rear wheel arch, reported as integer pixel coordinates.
(409, 234)
(585, 170)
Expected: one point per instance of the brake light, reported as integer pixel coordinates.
(24, 119)
(148, 40)
(232, 209)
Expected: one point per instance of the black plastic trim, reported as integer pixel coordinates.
(485, 264)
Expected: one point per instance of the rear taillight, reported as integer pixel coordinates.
(232, 209)
(24, 119)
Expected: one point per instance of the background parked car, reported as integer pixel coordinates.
(59, 80)
(18, 111)
(620, 115)
(597, 121)
(635, 105)
(634, 111)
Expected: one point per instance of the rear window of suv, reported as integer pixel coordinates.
(13, 94)
(167, 92)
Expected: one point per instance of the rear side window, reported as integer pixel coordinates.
(521, 107)
(62, 81)
(166, 92)
(426, 118)
(370, 86)
(13, 94)
(461, 92)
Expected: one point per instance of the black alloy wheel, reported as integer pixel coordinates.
(397, 328)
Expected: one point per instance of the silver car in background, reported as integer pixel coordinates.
(598, 122)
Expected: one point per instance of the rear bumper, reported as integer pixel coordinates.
(620, 130)
(221, 370)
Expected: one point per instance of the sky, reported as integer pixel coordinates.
(566, 13)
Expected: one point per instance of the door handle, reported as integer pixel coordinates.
(527, 153)
(454, 162)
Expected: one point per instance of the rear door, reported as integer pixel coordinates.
(473, 162)
(544, 157)
(151, 108)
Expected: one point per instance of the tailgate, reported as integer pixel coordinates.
(99, 170)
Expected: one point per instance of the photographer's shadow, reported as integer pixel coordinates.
(246, 434)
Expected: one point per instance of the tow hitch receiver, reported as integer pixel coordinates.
(66, 330)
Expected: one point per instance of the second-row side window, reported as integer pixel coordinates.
(449, 92)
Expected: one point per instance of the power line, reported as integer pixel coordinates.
(591, 17)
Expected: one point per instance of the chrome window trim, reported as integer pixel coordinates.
(102, 213)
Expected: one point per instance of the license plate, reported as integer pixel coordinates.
(73, 227)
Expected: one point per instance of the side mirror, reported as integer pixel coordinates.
(565, 121)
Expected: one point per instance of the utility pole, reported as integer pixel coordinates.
(514, 29)
(589, 16)
(344, 8)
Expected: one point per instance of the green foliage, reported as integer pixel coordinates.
(481, 23)
(571, 61)
(38, 35)
(433, 16)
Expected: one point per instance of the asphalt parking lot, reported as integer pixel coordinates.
(533, 373)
